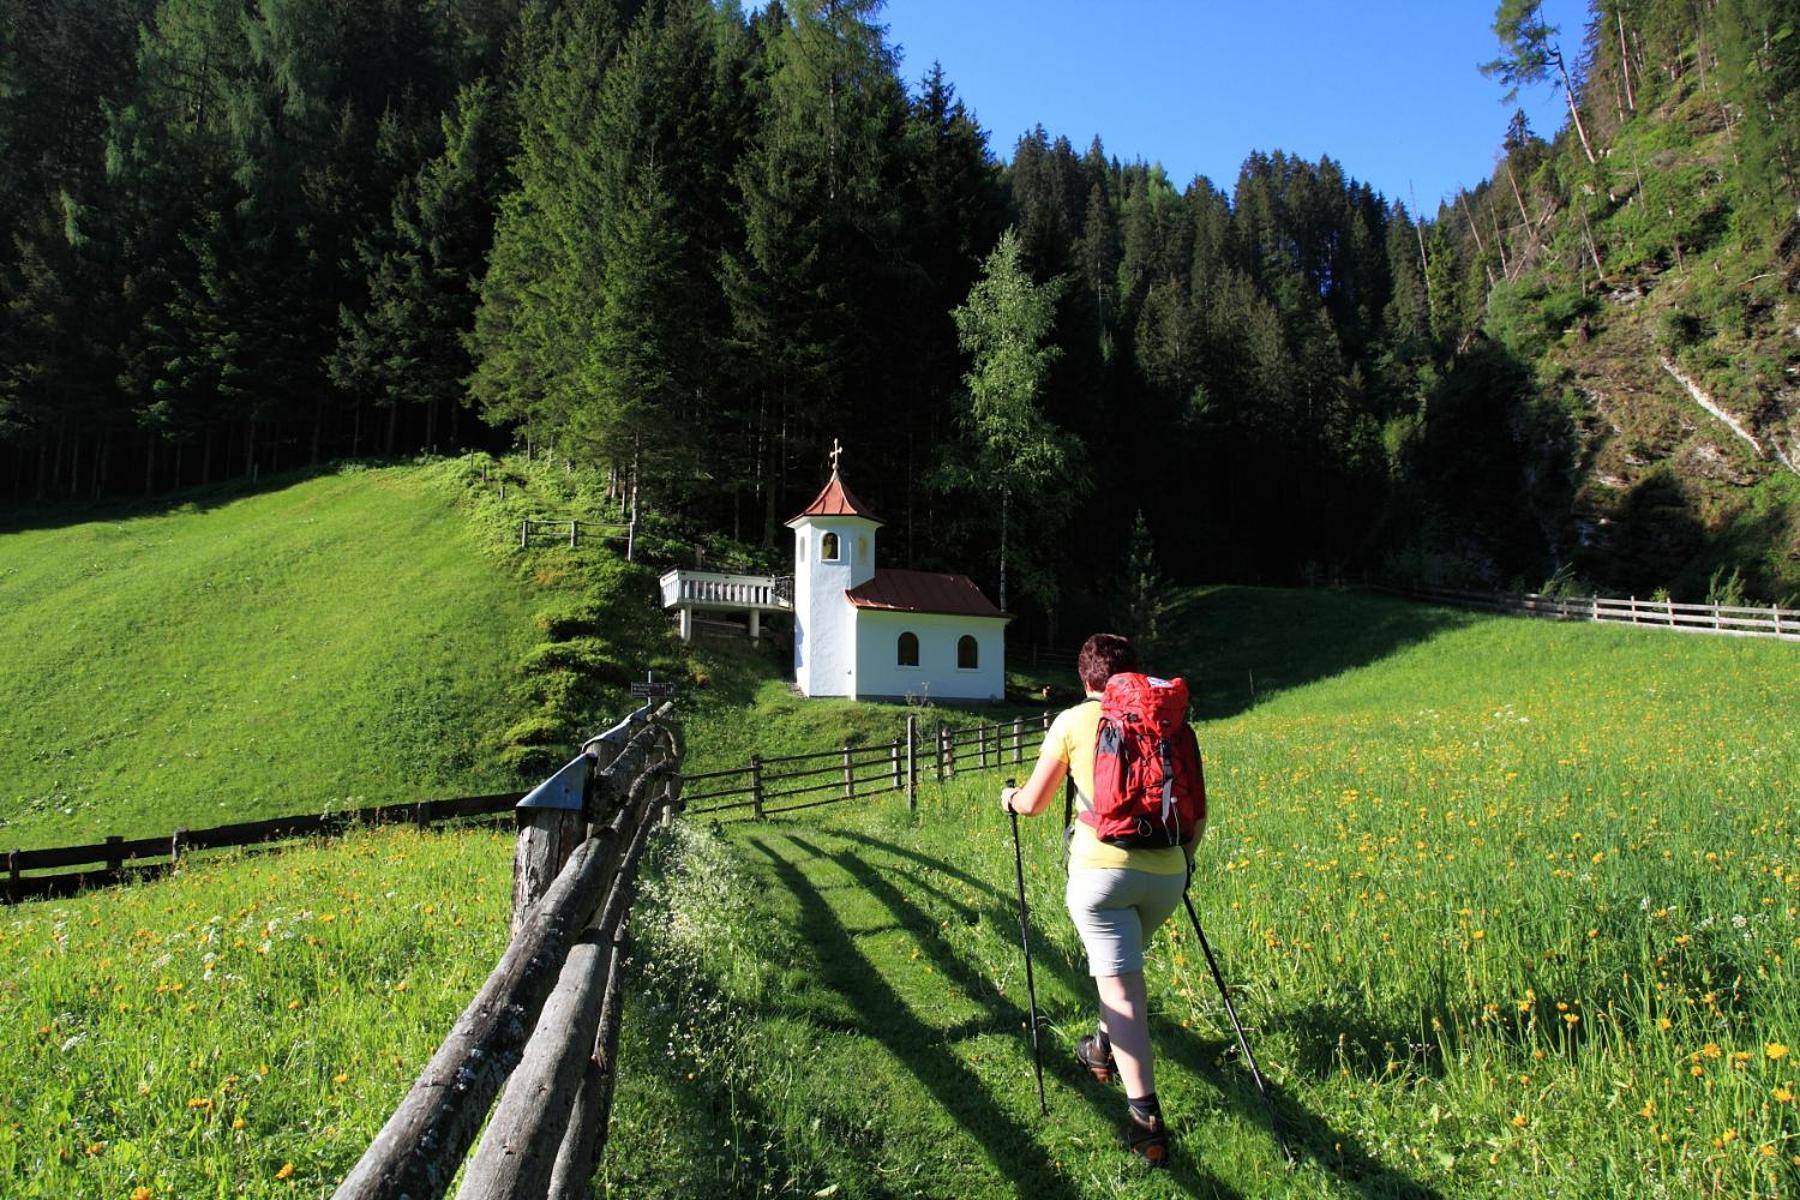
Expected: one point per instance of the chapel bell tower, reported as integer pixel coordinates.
(834, 551)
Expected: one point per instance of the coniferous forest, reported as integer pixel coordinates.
(690, 245)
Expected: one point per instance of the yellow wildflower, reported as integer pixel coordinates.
(1775, 1050)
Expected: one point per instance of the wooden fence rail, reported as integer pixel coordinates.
(1735, 619)
(117, 860)
(572, 530)
(545, 1024)
(850, 771)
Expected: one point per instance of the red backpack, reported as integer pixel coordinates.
(1148, 787)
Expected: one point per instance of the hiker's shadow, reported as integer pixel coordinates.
(1215, 1060)
(925, 1050)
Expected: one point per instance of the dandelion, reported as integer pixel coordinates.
(237, 1122)
(200, 1102)
(1572, 1019)
(1783, 1095)
(141, 1193)
(287, 1169)
(1664, 1024)
(1711, 1050)
(1520, 1120)
(1775, 1050)
(343, 1077)
(1649, 1110)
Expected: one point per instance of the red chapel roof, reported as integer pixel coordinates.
(836, 501)
(922, 592)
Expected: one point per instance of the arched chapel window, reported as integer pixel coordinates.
(968, 654)
(907, 654)
(828, 548)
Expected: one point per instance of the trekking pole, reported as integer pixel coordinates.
(1037, 1057)
(1243, 1042)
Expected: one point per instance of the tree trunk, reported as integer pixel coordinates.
(318, 428)
(1574, 109)
(149, 464)
(1005, 505)
(392, 424)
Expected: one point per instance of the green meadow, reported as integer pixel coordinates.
(1507, 907)
(347, 639)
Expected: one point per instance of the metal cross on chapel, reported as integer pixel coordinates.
(837, 452)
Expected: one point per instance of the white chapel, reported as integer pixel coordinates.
(871, 632)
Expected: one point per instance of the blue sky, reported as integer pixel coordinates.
(1389, 89)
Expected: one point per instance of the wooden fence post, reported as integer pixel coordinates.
(1634, 619)
(1669, 607)
(573, 526)
(1776, 609)
(949, 753)
(756, 786)
(1715, 613)
(894, 755)
(912, 763)
(524, 530)
(940, 753)
(849, 775)
(1018, 740)
(12, 873)
(422, 813)
(175, 840)
(115, 857)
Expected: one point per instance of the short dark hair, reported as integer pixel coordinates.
(1103, 656)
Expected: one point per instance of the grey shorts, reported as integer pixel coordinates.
(1116, 911)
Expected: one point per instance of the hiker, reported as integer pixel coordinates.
(1116, 896)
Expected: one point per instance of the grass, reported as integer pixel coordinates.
(343, 640)
(1437, 838)
(1509, 906)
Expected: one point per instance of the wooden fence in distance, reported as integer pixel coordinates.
(1736, 619)
(570, 531)
(793, 782)
(119, 860)
(545, 1024)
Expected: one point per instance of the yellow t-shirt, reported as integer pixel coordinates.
(1071, 741)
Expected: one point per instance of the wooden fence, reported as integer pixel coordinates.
(571, 531)
(1739, 620)
(766, 787)
(545, 1025)
(118, 859)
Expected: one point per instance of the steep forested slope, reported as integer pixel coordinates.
(691, 245)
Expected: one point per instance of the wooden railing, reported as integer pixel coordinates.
(119, 859)
(545, 1024)
(850, 772)
(1741, 620)
(701, 588)
(571, 531)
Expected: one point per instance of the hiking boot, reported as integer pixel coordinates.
(1147, 1137)
(1101, 1066)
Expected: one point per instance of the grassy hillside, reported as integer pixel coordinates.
(343, 640)
(1509, 907)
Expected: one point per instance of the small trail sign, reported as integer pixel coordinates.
(653, 688)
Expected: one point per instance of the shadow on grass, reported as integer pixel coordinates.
(1214, 1060)
(1237, 646)
(60, 514)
